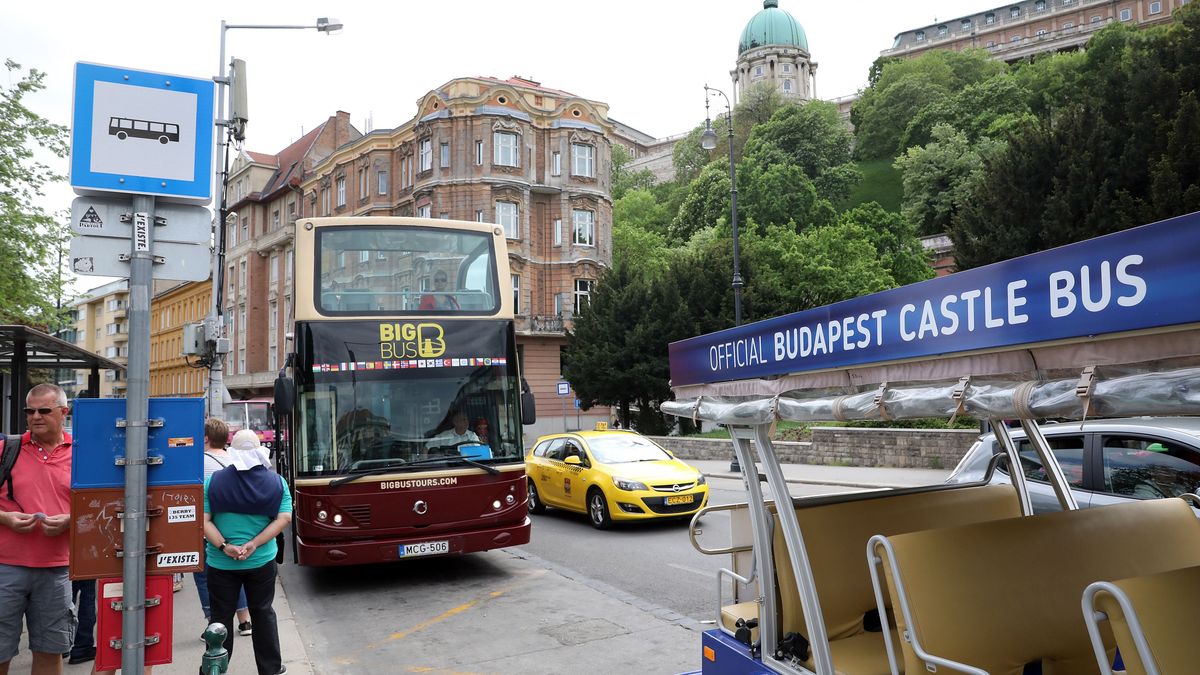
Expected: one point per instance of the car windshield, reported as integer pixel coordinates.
(620, 448)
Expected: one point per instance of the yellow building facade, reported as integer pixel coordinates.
(170, 309)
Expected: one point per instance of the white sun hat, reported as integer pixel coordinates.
(245, 451)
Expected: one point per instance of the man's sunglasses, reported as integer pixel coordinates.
(40, 411)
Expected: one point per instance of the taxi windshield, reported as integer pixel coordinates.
(620, 448)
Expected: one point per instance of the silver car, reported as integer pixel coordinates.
(1105, 461)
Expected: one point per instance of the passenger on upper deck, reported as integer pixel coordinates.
(439, 299)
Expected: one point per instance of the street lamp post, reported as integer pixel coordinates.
(708, 141)
(216, 324)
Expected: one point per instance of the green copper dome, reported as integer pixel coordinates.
(772, 26)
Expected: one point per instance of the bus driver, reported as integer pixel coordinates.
(459, 433)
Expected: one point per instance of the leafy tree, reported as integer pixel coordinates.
(813, 137)
(895, 241)
(624, 180)
(780, 194)
(688, 157)
(940, 177)
(1176, 176)
(639, 232)
(980, 109)
(32, 238)
(706, 204)
(905, 87)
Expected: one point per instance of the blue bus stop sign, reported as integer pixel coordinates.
(141, 132)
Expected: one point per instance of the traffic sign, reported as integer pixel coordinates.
(564, 388)
(577, 404)
(141, 132)
(109, 257)
(113, 217)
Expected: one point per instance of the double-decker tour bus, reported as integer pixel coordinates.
(405, 396)
(253, 414)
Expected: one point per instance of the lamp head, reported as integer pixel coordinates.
(708, 140)
(328, 25)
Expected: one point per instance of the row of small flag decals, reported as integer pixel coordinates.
(409, 363)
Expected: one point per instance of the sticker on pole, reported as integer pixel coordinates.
(181, 514)
(186, 559)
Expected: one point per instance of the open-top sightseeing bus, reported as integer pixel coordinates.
(403, 336)
(961, 577)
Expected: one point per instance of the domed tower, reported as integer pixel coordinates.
(773, 49)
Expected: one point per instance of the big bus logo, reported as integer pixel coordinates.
(409, 341)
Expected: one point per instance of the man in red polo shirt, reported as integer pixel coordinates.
(34, 546)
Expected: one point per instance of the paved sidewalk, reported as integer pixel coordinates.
(187, 648)
(844, 476)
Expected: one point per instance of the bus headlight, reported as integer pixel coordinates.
(322, 515)
(337, 519)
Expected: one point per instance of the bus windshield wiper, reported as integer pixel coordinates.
(400, 464)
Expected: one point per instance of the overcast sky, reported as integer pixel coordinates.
(647, 60)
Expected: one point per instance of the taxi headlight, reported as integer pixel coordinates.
(700, 480)
(629, 485)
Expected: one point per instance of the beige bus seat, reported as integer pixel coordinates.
(1161, 608)
(836, 531)
(1001, 594)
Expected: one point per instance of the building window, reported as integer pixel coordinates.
(584, 226)
(274, 269)
(989, 18)
(1039, 6)
(287, 277)
(558, 231)
(381, 178)
(242, 276)
(943, 30)
(1068, 25)
(516, 284)
(920, 36)
(506, 217)
(504, 148)
(364, 256)
(583, 293)
(787, 85)
(1041, 32)
(1015, 38)
(273, 339)
(245, 229)
(444, 149)
(479, 153)
(325, 201)
(479, 216)
(341, 191)
(231, 235)
(556, 164)
(1155, 7)
(557, 304)
(426, 153)
(965, 25)
(787, 67)
(582, 160)
(1126, 14)
(1015, 12)
(758, 71)
(425, 211)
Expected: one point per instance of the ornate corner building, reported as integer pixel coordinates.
(531, 159)
(1023, 29)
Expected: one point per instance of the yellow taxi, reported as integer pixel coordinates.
(611, 475)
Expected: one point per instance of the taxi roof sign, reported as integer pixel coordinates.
(142, 132)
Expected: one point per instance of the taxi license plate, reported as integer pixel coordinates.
(424, 548)
(680, 499)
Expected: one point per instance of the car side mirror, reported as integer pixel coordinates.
(573, 460)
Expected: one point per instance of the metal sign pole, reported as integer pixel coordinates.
(133, 620)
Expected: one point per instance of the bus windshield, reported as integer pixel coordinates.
(362, 421)
(366, 270)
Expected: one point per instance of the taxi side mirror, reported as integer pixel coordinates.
(573, 460)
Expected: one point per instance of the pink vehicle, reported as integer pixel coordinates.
(254, 414)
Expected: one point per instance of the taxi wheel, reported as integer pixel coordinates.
(535, 500)
(598, 510)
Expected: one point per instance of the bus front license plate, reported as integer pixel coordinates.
(681, 499)
(424, 548)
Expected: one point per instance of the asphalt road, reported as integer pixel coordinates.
(633, 598)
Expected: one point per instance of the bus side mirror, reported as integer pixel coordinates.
(528, 404)
(285, 395)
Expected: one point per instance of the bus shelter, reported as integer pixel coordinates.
(23, 349)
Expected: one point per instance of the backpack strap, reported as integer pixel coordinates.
(215, 459)
(8, 457)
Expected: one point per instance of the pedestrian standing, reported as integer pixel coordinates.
(216, 433)
(84, 647)
(245, 505)
(35, 515)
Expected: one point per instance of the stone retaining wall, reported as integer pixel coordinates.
(849, 446)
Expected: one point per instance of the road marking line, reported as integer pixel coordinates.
(693, 570)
